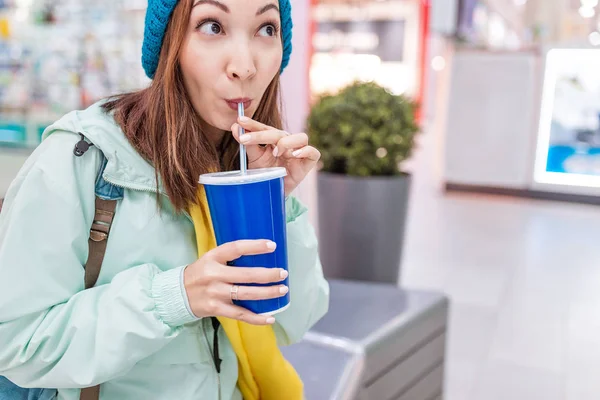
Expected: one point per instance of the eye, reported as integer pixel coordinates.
(210, 28)
(268, 30)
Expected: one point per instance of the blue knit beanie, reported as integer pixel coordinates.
(158, 15)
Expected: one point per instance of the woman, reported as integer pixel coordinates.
(144, 331)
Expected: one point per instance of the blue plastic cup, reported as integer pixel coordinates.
(251, 206)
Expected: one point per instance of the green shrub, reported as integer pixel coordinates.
(363, 130)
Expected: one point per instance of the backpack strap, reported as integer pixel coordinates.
(92, 393)
(105, 212)
(106, 204)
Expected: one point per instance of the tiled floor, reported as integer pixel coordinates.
(524, 281)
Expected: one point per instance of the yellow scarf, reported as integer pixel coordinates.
(264, 374)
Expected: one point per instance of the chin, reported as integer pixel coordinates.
(224, 123)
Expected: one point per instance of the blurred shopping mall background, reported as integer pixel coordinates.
(503, 215)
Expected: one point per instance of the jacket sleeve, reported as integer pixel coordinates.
(309, 291)
(53, 333)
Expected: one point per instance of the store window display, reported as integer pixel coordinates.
(368, 41)
(56, 56)
(568, 142)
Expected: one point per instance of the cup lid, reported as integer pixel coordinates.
(237, 178)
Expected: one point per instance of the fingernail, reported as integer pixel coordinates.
(275, 151)
(297, 153)
(271, 245)
(245, 138)
(284, 289)
(244, 118)
(283, 274)
(270, 320)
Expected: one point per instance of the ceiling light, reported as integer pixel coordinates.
(586, 12)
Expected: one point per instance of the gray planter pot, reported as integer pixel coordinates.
(361, 226)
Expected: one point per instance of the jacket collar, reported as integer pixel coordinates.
(125, 167)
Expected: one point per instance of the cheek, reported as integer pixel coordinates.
(195, 64)
(186, 56)
(273, 63)
(270, 65)
(269, 68)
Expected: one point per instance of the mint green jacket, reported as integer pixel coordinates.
(132, 333)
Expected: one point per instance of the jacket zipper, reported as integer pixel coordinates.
(212, 356)
(132, 186)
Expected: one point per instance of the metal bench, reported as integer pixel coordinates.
(377, 342)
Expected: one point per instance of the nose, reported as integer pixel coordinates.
(241, 65)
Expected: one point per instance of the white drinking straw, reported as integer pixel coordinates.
(243, 161)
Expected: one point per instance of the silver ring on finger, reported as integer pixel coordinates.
(234, 292)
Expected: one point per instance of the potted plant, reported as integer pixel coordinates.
(364, 133)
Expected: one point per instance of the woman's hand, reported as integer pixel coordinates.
(209, 281)
(269, 147)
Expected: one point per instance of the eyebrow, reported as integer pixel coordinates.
(266, 8)
(223, 7)
(212, 2)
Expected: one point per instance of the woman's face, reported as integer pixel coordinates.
(231, 53)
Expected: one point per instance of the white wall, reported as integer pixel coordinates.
(492, 114)
(295, 77)
(295, 91)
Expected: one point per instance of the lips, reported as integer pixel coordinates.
(233, 103)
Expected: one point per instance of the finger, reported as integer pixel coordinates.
(252, 275)
(234, 250)
(254, 152)
(252, 125)
(271, 136)
(235, 130)
(252, 292)
(241, 314)
(307, 152)
(291, 142)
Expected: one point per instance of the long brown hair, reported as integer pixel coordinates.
(162, 125)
